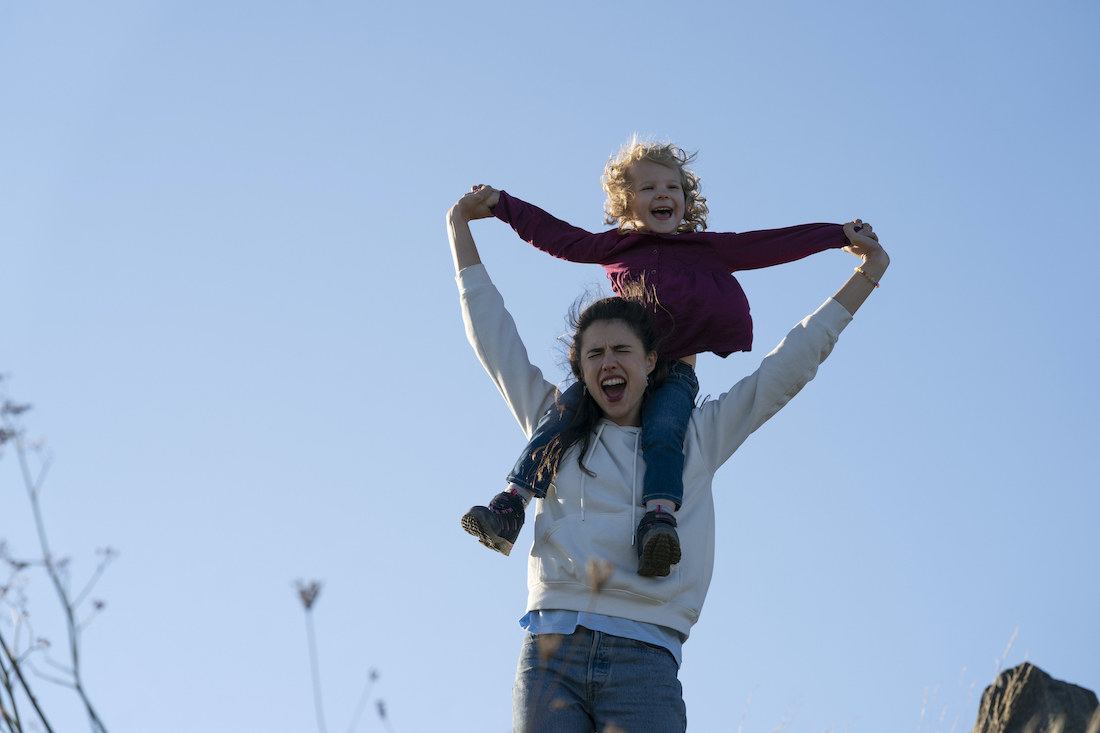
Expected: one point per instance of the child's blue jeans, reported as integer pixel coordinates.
(665, 417)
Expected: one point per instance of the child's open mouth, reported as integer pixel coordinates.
(613, 388)
(663, 213)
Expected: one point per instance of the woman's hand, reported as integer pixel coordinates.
(863, 243)
(477, 204)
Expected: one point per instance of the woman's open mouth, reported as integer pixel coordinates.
(613, 388)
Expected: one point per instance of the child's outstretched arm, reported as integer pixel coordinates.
(552, 235)
(768, 247)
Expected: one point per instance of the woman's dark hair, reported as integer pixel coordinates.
(635, 315)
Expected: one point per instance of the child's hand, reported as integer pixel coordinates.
(478, 203)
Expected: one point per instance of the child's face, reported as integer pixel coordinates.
(658, 197)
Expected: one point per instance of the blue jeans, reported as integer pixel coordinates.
(587, 681)
(665, 417)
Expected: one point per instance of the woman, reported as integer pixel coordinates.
(604, 644)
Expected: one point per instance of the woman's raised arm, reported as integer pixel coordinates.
(477, 204)
(863, 244)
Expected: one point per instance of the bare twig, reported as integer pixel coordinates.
(56, 570)
(108, 554)
(364, 698)
(307, 594)
(26, 688)
(11, 722)
(382, 715)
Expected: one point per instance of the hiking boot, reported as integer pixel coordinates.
(497, 525)
(658, 544)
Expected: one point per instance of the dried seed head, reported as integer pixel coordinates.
(11, 408)
(308, 593)
(599, 572)
(548, 645)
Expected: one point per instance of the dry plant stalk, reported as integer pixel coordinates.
(307, 594)
(15, 665)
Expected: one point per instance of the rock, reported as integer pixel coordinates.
(1025, 699)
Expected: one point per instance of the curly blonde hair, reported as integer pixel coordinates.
(620, 194)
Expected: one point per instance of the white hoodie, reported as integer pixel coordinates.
(593, 518)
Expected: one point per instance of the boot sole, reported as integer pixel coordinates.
(661, 552)
(471, 522)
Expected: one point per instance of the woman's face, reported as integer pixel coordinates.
(614, 367)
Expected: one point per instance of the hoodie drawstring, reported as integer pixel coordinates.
(634, 491)
(584, 474)
(633, 480)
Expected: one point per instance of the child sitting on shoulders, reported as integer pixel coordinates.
(661, 244)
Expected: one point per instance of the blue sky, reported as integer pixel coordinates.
(227, 292)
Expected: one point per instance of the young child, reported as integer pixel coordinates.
(660, 241)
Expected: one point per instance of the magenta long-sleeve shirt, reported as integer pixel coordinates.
(702, 306)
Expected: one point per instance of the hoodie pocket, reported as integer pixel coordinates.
(598, 554)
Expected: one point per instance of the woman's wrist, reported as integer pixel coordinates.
(456, 215)
(864, 281)
(875, 264)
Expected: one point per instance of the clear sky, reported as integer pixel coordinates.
(226, 289)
